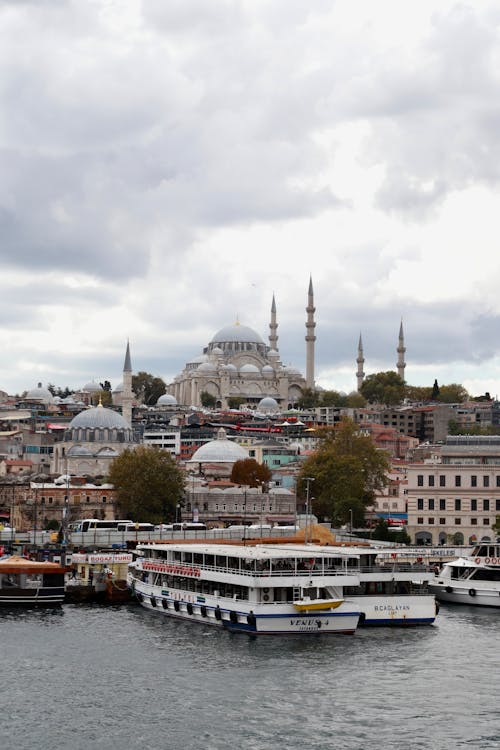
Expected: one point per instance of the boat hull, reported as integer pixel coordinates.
(40, 597)
(470, 594)
(396, 611)
(244, 617)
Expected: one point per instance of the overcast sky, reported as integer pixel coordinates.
(166, 165)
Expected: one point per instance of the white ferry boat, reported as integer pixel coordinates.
(277, 588)
(264, 589)
(474, 579)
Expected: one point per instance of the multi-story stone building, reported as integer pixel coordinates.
(454, 496)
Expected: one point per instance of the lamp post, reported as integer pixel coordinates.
(177, 510)
(308, 481)
(350, 516)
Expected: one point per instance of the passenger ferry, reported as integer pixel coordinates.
(30, 583)
(472, 579)
(281, 587)
(263, 589)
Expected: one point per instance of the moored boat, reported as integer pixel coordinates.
(98, 576)
(26, 582)
(262, 589)
(473, 579)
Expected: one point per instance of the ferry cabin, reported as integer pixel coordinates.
(30, 583)
(473, 580)
(262, 589)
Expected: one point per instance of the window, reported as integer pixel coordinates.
(431, 504)
(486, 504)
(431, 480)
(486, 481)
(473, 504)
(458, 480)
(442, 503)
(420, 503)
(458, 504)
(458, 521)
(104, 498)
(498, 480)
(486, 521)
(473, 480)
(473, 521)
(431, 520)
(442, 480)
(420, 520)
(442, 521)
(420, 480)
(497, 504)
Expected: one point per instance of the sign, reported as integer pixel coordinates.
(101, 558)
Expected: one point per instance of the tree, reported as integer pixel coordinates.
(309, 399)
(381, 532)
(435, 391)
(234, 402)
(148, 387)
(249, 472)
(384, 388)
(148, 484)
(348, 470)
(207, 400)
(454, 393)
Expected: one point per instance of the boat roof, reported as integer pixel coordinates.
(17, 564)
(261, 551)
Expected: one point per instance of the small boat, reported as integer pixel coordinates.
(99, 577)
(26, 582)
(310, 605)
(473, 579)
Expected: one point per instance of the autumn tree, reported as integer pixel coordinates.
(148, 387)
(348, 470)
(249, 472)
(148, 484)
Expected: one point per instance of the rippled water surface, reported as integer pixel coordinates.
(89, 677)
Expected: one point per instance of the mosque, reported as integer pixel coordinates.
(237, 363)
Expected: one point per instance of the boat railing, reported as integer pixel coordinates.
(180, 567)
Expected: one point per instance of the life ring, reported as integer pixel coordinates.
(189, 608)
(233, 616)
(203, 611)
(218, 613)
(251, 619)
(472, 592)
(266, 597)
(177, 606)
(478, 560)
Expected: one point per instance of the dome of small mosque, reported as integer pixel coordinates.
(220, 450)
(99, 418)
(167, 400)
(91, 387)
(40, 394)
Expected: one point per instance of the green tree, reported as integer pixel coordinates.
(234, 402)
(332, 398)
(381, 532)
(207, 400)
(148, 387)
(309, 399)
(383, 388)
(249, 472)
(355, 400)
(454, 393)
(348, 470)
(435, 391)
(148, 484)
(418, 393)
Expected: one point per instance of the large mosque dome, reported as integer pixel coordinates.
(236, 333)
(99, 418)
(220, 450)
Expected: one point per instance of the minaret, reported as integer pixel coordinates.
(360, 361)
(310, 337)
(273, 327)
(401, 353)
(127, 394)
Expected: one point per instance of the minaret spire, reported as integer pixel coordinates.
(401, 353)
(360, 362)
(310, 337)
(127, 394)
(273, 327)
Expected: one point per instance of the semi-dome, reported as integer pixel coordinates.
(249, 368)
(119, 388)
(220, 450)
(99, 418)
(40, 394)
(268, 371)
(197, 360)
(217, 350)
(230, 367)
(92, 387)
(167, 400)
(237, 333)
(207, 367)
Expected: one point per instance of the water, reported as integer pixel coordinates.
(87, 677)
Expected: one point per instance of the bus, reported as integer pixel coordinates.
(131, 526)
(189, 526)
(96, 524)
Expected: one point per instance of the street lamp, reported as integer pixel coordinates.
(308, 481)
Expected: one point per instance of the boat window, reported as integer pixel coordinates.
(209, 560)
(188, 557)
(221, 562)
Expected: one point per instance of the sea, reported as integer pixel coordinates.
(89, 676)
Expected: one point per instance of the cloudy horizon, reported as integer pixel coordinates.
(168, 166)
